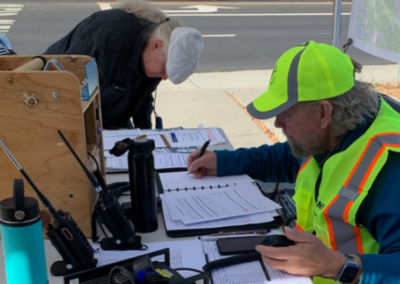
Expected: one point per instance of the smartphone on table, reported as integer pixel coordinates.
(228, 246)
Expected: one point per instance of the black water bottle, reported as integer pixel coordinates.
(142, 186)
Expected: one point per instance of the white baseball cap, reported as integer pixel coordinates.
(184, 52)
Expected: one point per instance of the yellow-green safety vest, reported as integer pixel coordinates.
(345, 181)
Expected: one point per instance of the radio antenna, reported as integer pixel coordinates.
(43, 198)
(89, 175)
(96, 185)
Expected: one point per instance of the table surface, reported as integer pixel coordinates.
(160, 235)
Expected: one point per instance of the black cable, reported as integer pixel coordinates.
(228, 261)
(158, 119)
(347, 45)
(95, 160)
(189, 269)
(98, 169)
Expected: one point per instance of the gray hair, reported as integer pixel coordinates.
(159, 22)
(354, 106)
(164, 31)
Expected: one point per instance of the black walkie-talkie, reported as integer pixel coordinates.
(110, 213)
(64, 234)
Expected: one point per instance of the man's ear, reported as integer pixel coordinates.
(158, 43)
(326, 111)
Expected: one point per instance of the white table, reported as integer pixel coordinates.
(160, 235)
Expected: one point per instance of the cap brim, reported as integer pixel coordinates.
(265, 106)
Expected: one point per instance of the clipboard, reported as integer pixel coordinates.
(177, 233)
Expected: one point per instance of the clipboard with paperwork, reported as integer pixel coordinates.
(210, 205)
(172, 146)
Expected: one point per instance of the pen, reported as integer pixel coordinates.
(202, 150)
(249, 232)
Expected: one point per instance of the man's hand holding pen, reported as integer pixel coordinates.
(202, 162)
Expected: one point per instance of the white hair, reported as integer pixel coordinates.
(161, 24)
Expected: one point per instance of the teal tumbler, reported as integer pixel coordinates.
(22, 238)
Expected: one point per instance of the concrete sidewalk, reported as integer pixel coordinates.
(219, 99)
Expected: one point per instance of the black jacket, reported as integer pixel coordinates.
(116, 40)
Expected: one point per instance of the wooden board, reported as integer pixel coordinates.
(30, 133)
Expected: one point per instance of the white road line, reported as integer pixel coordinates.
(12, 5)
(7, 22)
(226, 35)
(3, 14)
(254, 15)
(104, 6)
(108, 6)
(7, 10)
(196, 13)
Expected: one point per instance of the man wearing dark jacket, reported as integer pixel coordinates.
(131, 47)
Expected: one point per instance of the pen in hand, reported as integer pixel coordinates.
(202, 150)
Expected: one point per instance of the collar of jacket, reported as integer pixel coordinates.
(345, 141)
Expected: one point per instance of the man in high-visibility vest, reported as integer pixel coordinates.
(343, 153)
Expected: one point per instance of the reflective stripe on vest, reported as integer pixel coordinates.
(304, 163)
(337, 212)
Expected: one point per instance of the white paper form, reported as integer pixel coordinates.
(182, 181)
(255, 272)
(174, 183)
(259, 218)
(115, 164)
(192, 137)
(112, 136)
(199, 206)
(183, 253)
(170, 161)
(179, 138)
(161, 161)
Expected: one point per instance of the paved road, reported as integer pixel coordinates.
(237, 35)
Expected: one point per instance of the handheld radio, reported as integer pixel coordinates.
(110, 213)
(64, 234)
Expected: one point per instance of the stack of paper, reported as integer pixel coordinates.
(180, 141)
(212, 202)
(161, 161)
(166, 138)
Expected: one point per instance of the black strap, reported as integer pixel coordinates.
(42, 58)
(121, 147)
